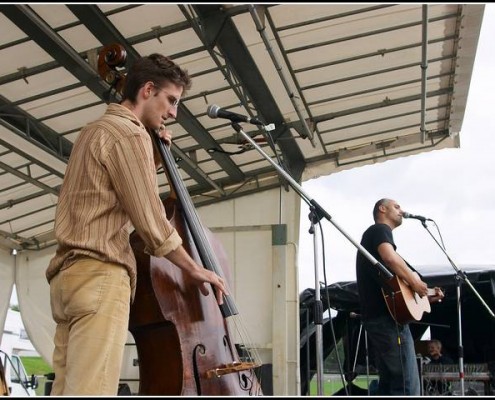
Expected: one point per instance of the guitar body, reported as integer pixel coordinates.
(405, 305)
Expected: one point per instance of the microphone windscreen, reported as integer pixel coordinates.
(212, 111)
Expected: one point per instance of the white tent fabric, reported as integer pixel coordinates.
(7, 276)
(33, 293)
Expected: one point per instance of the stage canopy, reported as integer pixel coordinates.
(336, 86)
(344, 85)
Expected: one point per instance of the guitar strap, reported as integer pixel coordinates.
(390, 289)
(410, 266)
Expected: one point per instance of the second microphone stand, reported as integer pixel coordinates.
(460, 277)
(317, 213)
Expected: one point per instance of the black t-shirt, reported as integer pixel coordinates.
(369, 281)
(443, 359)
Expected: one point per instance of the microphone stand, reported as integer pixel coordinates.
(365, 350)
(318, 311)
(317, 213)
(460, 276)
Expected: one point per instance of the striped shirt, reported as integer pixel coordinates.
(110, 186)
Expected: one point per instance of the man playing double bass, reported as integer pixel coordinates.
(111, 183)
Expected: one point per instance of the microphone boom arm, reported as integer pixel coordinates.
(460, 274)
(312, 203)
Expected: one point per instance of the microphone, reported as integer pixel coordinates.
(423, 219)
(214, 111)
(352, 314)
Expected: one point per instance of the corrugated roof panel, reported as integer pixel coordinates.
(341, 82)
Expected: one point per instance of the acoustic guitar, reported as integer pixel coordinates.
(404, 304)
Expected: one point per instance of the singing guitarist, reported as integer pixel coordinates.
(391, 340)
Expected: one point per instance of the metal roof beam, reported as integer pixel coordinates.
(380, 119)
(221, 31)
(385, 103)
(28, 179)
(96, 21)
(25, 125)
(100, 26)
(19, 200)
(41, 33)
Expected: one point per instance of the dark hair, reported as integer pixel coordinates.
(157, 68)
(377, 206)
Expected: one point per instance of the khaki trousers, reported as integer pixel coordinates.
(90, 303)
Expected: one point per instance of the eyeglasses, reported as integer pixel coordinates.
(174, 102)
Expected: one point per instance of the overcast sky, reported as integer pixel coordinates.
(454, 187)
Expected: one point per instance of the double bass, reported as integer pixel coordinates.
(183, 338)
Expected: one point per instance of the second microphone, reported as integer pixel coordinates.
(214, 111)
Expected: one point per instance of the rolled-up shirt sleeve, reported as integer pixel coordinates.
(131, 166)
